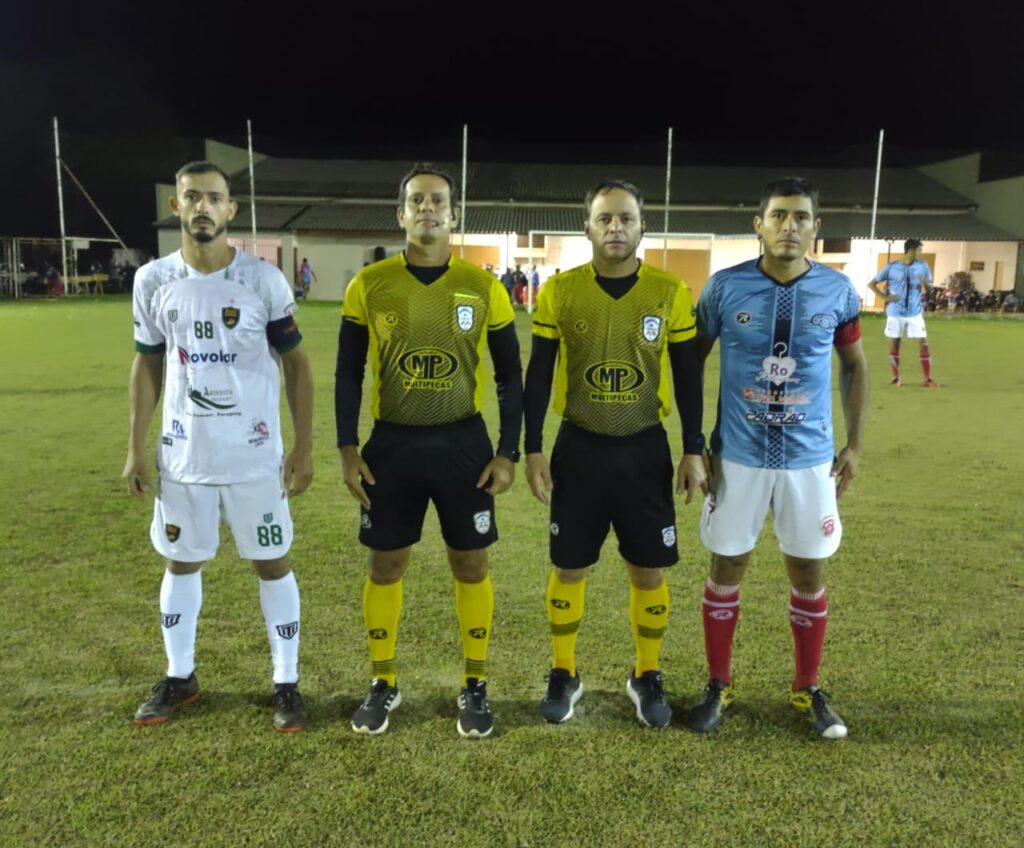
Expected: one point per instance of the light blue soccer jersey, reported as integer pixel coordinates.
(905, 282)
(775, 391)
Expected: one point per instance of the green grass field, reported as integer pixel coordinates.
(923, 656)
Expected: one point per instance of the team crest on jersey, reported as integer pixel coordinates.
(652, 327)
(464, 318)
(482, 521)
(287, 631)
(668, 536)
(168, 620)
(172, 315)
(230, 315)
(173, 531)
(828, 526)
(268, 517)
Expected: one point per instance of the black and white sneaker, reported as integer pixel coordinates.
(812, 704)
(648, 696)
(169, 694)
(707, 714)
(372, 716)
(289, 708)
(563, 693)
(475, 719)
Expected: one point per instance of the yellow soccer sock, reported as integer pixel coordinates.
(565, 612)
(474, 604)
(382, 606)
(648, 614)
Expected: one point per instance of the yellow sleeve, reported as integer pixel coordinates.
(500, 313)
(682, 323)
(353, 306)
(545, 324)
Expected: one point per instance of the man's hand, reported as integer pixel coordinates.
(538, 476)
(891, 298)
(691, 475)
(501, 471)
(298, 471)
(138, 471)
(354, 471)
(844, 469)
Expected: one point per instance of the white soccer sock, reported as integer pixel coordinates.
(280, 602)
(181, 596)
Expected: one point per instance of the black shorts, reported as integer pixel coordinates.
(623, 482)
(415, 465)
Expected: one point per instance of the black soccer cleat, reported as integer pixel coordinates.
(563, 693)
(707, 714)
(169, 694)
(475, 719)
(648, 696)
(812, 704)
(289, 709)
(372, 716)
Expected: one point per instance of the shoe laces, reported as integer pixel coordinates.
(378, 694)
(558, 680)
(287, 697)
(475, 696)
(654, 686)
(163, 692)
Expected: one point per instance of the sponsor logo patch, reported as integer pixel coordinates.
(259, 433)
(213, 400)
(230, 315)
(614, 382)
(218, 357)
(581, 326)
(428, 368)
(177, 430)
(826, 322)
(478, 632)
(287, 631)
(464, 318)
(482, 521)
(173, 531)
(668, 536)
(779, 369)
(378, 633)
(391, 319)
(742, 317)
(657, 609)
(828, 525)
(559, 603)
(168, 620)
(721, 614)
(167, 440)
(651, 327)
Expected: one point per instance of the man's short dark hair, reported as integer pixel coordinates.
(202, 166)
(427, 168)
(911, 244)
(606, 186)
(789, 187)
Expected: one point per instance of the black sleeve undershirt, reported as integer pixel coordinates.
(689, 393)
(539, 378)
(508, 376)
(353, 344)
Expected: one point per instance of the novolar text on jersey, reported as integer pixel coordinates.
(215, 358)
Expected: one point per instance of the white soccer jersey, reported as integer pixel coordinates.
(221, 396)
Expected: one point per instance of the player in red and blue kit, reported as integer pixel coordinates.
(778, 319)
(905, 281)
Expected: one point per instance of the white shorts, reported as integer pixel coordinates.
(913, 327)
(186, 520)
(803, 504)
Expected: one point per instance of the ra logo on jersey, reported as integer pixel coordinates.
(173, 531)
(230, 315)
(287, 631)
(177, 429)
(651, 327)
(464, 318)
(743, 318)
(482, 521)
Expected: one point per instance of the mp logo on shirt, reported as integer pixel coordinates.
(464, 318)
(651, 327)
(482, 521)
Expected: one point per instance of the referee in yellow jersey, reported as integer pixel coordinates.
(424, 319)
(607, 332)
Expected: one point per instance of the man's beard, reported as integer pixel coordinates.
(204, 236)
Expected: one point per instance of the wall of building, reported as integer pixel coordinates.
(337, 259)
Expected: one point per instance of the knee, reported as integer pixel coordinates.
(388, 567)
(468, 566)
(729, 570)
(806, 575)
(572, 575)
(175, 567)
(272, 569)
(646, 579)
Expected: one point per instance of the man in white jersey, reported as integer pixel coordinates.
(211, 325)
(779, 318)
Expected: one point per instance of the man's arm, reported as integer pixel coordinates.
(353, 345)
(143, 393)
(508, 377)
(853, 389)
(539, 378)
(884, 296)
(689, 394)
(298, 384)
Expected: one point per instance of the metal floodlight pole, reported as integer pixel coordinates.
(529, 279)
(60, 204)
(668, 196)
(92, 203)
(462, 213)
(252, 186)
(878, 178)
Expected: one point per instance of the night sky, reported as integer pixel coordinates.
(783, 84)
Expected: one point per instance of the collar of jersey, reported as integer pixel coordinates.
(191, 273)
(811, 265)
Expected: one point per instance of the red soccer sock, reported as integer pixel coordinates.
(808, 620)
(894, 361)
(721, 611)
(926, 361)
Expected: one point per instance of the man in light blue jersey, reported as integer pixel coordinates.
(778, 318)
(906, 280)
